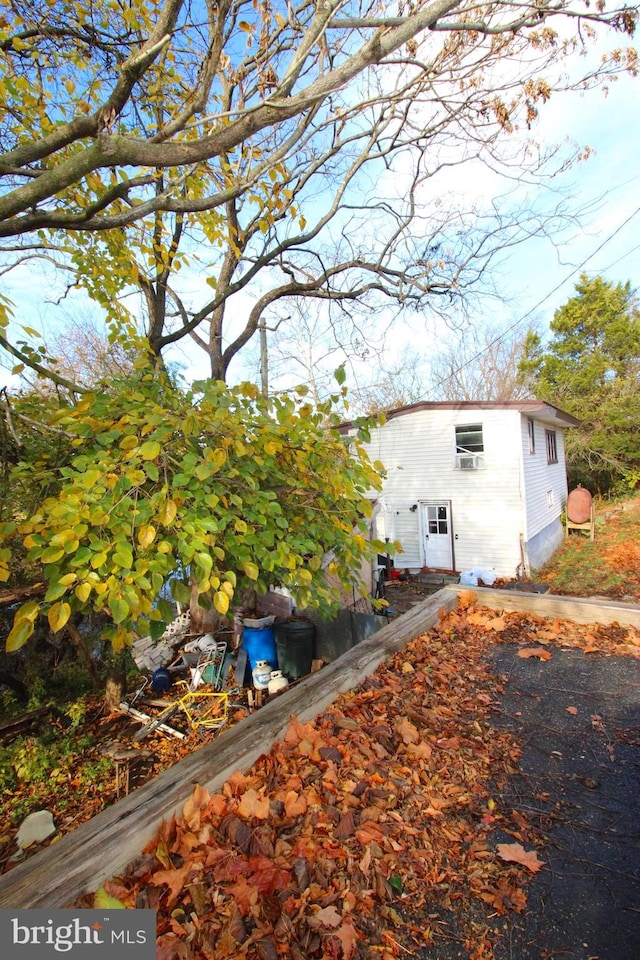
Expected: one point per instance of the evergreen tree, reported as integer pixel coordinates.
(591, 368)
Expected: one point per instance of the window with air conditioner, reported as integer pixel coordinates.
(469, 446)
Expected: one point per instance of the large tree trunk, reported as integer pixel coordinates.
(114, 689)
(202, 621)
(83, 652)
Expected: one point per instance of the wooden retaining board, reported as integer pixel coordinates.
(103, 846)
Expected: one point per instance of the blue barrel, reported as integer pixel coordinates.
(260, 644)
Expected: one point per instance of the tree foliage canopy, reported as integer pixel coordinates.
(217, 487)
(591, 368)
(106, 96)
(241, 126)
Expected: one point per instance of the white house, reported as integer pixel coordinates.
(472, 485)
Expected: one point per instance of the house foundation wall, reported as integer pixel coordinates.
(542, 547)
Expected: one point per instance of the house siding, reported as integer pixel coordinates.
(502, 516)
(418, 451)
(546, 494)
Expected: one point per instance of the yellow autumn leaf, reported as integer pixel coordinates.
(104, 901)
(58, 615)
(150, 450)
(219, 457)
(221, 602)
(68, 579)
(82, 592)
(146, 535)
(28, 611)
(251, 570)
(18, 635)
(167, 512)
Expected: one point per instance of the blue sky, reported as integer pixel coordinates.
(606, 186)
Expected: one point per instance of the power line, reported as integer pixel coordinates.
(536, 306)
(619, 259)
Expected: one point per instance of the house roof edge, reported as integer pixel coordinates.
(545, 411)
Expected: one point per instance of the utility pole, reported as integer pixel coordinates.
(264, 359)
(264, 362)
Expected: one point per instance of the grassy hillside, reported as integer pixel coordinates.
(610, 566)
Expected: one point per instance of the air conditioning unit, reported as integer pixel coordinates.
(467, 462)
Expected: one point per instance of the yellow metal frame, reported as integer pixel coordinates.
(194, 705)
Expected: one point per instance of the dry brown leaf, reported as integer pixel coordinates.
(505, 897)
(186, 843)
(169, 947)
(348, 938)
(217, 806)
(236, 925)
(421, 750)
(253, 804)
(573, 711)
(267, 949)
(478, 619)
(346, 827)
(295, 804)
(119, 892)
(449, 743)
(296, 732)
(192, 810)
(369, 833)
(174, 879)
(515, 853)
(327, 917)
(365, 863)
(466, 597)
(539, 652)
(407, 731)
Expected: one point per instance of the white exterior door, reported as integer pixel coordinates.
(435, 524)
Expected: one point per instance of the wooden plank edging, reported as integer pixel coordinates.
(103, 846)
(578, 609)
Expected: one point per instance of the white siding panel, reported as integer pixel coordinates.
(487, 505)
(546, 483)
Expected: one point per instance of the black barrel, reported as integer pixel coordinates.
(294, 642)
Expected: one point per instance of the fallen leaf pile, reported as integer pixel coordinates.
(376, 830)
(625, 557)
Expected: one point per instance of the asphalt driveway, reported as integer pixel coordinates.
(578, 718)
